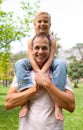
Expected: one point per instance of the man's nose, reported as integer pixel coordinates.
(40, 50)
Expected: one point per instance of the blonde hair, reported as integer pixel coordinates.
(42, 13)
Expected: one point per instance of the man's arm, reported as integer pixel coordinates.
(14, 98)
(65, 99)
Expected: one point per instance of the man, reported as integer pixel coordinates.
(42, 96)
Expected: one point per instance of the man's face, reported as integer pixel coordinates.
(41, 50)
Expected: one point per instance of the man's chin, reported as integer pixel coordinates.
(40, 64)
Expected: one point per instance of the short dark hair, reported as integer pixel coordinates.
(42, 35)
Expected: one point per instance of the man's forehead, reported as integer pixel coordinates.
(42, 44)
(41, 38)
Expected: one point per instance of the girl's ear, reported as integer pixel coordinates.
(34, 23)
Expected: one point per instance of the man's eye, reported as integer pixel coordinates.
(44, 48)
(36, 47)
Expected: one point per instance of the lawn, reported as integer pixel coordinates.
(8, 119)
(73, 121)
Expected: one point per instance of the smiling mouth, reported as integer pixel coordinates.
(43, 28)
(41, 57)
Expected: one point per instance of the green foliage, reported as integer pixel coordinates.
(29, 10)
(0, 1)
(75, 71)
(6, 68)
(8, 30)
(8, 33)
(13, 28)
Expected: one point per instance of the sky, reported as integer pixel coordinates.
(67, 20)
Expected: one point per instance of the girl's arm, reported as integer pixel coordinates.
(32, 61)
(52, 53)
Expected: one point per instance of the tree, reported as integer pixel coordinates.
(8, 33)
(0, 1)
(12, 29)
(75, 53)
(6, 69)
(79, 48)
(75, 72)
(29, 11)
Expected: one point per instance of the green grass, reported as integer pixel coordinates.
(73, 121)
(8, 119)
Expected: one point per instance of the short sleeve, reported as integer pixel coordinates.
(14, 82)
(68, 85)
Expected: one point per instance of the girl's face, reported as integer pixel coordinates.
(42, 24)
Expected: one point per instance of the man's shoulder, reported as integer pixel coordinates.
(14, 82)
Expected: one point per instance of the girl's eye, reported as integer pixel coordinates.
(45, 21)
(39, 21)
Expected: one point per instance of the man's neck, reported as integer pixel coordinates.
(40, 65)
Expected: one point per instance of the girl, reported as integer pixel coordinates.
(42, 24)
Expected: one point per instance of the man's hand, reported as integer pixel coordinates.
(42, 79)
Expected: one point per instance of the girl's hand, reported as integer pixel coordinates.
(38, 87)
(38, 71)
(42, 79)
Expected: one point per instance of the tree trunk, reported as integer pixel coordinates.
(76, 84)
(5, 83)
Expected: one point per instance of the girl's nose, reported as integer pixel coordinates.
(42, 23)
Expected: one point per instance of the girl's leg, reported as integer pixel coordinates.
(59, 68)
(24, 110)
(58, 112)
(22, 70)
